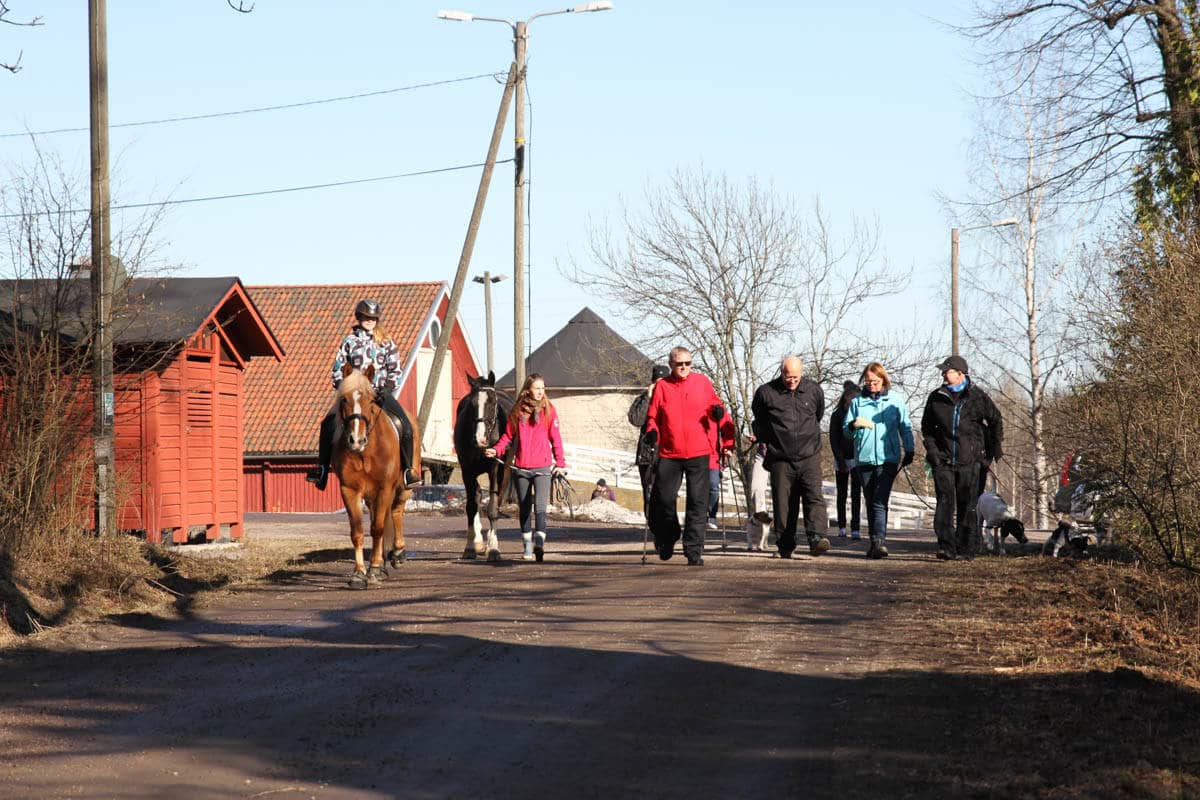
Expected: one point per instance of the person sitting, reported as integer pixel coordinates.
(604, 490)
(367, 344)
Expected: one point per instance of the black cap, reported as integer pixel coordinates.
(601, 482)
(954, 362)
(659, 371)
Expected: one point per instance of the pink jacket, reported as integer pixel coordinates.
(539, 443)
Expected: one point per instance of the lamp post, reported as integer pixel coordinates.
(520, 29)
(487, 279)
(954, 274)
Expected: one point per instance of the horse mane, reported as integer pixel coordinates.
(356, 381)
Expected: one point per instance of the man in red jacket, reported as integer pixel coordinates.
(682, 417)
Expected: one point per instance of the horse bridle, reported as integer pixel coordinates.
(490, 422)
(366, 421)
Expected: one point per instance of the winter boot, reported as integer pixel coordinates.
(876, 548)
(539, 545)
(527, 538)
(817, 545)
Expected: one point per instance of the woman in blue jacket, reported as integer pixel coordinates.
(878, 424)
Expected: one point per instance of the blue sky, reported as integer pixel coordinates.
(860, 103)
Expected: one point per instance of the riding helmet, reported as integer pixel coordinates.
(367, 308)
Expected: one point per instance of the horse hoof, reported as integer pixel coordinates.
(397, 557)
(469, 554)
(493, 555)
(376, 574)
(358, 580)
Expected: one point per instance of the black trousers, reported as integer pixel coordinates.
(796, 483)
(852, 481)
(392, 407)
(954, 520)
(670, 474)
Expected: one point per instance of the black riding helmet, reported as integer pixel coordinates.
(367, 308)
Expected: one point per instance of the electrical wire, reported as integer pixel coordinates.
(285, 190)
(259, 109)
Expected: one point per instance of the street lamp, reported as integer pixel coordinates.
(487, 279)
(1000, 223)
(520, 29)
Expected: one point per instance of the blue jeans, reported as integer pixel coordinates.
(877, 489)
(714, 491)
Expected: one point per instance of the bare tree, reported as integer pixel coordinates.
(1019, 308)
(1127, 72)
(742, 276)
(15, 66)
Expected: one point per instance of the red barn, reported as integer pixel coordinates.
(181, 347)
(285, 403)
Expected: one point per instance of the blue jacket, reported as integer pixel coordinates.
(892, 427)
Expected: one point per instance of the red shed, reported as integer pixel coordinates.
(179, 424)
(285, 404)
(181, 347)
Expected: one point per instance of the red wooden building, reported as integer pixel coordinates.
(181, 348)
(285, 402)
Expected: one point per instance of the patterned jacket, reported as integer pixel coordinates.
(360, 349)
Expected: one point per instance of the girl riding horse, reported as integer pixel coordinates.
(367, 344)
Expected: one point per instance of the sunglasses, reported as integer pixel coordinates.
(681, 363)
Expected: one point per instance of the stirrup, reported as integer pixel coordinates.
(412, 479)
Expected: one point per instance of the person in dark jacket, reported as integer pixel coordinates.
(683, 412)
(787, 419)
(843, 465)
(646, 453)
(963, 434)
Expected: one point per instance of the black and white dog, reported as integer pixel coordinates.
(996, 518)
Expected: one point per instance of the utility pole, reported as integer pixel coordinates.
(520, 39)
(954, 291)
(464, 260)
(102, 278)
(487, 279)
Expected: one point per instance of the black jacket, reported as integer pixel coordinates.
(646, 453)
(842, 447)
(975, 436)
(788, 423)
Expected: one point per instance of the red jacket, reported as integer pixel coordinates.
(538, 444)
(680, 414)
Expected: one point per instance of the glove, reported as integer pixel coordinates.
(862, 422)
(908, 458)
(717, 412)
(651, 437)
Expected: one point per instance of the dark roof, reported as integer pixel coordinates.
(153, 310)
(587, 354)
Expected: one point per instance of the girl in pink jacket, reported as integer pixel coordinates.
(533, 429)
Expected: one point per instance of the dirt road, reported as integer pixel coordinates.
(589, 675)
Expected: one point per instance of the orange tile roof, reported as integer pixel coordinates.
(284, 402)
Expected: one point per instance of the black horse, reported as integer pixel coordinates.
(478, 422)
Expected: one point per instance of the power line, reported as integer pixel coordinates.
(264, 192)
(259, 109)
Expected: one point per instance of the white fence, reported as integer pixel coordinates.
(617, 467)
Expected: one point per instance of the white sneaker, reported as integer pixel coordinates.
(712, 524)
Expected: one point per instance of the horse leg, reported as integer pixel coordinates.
(353, 501)
(381, 514)
(474, 542)
(398, 554)
(493, 511)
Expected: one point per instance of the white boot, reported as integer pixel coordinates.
(527, 538)
(539, 544)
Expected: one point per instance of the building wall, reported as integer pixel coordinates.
(596, 419)
(279, 486)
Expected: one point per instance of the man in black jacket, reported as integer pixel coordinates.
(963, 435)
(646, 453)
(787, 419)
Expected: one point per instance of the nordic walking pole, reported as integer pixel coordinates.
(721, 510)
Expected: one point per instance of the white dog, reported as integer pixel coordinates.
(995, 516)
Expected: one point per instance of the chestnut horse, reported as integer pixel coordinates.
(366, 457)
(478, 421)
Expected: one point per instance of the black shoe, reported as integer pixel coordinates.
(664, 550)
(818, 545)
(411, 479)
(695, 561)
(944, 556)
(318, 476)
(785, 553)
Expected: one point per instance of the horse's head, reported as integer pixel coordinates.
(357, 406)
(484, 404)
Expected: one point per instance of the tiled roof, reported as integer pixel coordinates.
(284, 402)
(586, 353)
